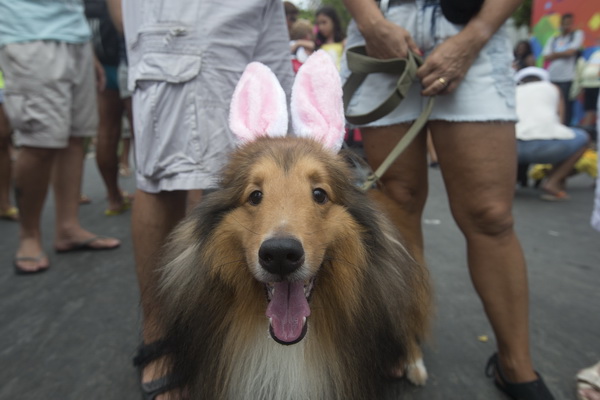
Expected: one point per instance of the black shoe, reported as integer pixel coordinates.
(534, 390)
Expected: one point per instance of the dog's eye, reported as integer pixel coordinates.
(320, 196)
(255, 197)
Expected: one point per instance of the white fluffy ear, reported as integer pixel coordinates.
(316, 106)
(258, 107)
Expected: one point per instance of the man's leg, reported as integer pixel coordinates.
(149, 234)
(67, 173)
(32, 177)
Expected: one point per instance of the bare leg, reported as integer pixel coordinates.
(32, 177)
(405, 181)
(125, 151)
(66, 181)
(124, 168)
(193, 199)
(109, 133)
(479, 172)
(433, 160)
(559, 173)
(5, 163)
(149, 235)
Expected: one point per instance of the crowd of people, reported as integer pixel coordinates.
(78, 72)
(544, 154)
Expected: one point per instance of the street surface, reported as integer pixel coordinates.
(70, 333)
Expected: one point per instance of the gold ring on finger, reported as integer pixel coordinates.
(442, 81)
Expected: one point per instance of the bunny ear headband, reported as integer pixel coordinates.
(258, 106)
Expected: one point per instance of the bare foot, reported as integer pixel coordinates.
(30, 257)
(152, 376)
(84, 240)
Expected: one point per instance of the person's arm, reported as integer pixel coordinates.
(308, 45)
(560, 106)
(116, 13)
(452, 59)
(573, 49)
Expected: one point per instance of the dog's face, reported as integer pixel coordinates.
(288, 217)
(287, 211)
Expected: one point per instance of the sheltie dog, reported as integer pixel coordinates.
(288, 282)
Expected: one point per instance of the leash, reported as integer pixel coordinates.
(361, 65)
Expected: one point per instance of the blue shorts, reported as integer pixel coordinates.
(550, 151)
(487, 93)
(110, 72)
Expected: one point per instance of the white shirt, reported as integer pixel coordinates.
(537, 105)
(563, 69)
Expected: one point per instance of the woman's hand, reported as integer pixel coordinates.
(386, 40)
(446, 66)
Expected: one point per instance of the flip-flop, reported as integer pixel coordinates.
(84, 199)
(10, 214)
(555, 196)
(21, 271)
(125, 206)
(588, 383)
(86, 245)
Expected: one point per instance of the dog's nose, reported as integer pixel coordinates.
(281, 256)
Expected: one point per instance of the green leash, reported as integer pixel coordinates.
(361, 65)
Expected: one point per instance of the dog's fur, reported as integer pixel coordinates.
(370, 301)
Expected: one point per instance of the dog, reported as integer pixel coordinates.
(288, 282)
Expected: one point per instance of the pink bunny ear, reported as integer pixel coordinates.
(258, 106)
(316, 105)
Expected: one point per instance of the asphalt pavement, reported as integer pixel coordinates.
(70, 333)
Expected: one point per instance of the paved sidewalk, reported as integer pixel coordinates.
(70, 333)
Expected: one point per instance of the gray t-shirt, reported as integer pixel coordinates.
(563, 69)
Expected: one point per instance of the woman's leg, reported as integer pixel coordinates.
(109, 133)
(478, 163)
(405, 181)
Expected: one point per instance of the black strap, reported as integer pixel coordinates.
(149, 352)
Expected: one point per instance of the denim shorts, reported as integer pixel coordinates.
(550, 151)
(487, 92)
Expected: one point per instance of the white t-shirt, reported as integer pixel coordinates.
(563, 69)
(537, 105)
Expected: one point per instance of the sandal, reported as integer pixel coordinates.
(146, 354)
(10, 214)
(588, 383)
(125, 206)
(534, 390)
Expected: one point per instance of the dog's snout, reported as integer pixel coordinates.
(281, 256)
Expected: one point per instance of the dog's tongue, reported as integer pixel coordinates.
(287, 311)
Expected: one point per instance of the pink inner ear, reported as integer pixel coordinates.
(316, 106)
(258, 106)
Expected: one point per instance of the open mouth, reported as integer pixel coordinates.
(288, 310)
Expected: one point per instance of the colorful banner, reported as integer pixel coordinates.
(545, 20)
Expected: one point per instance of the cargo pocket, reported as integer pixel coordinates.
(169, 61)
(20, 111)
